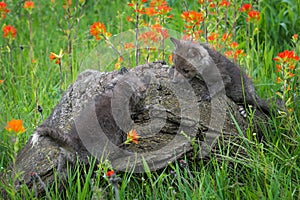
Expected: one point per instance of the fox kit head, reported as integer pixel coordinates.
(189, 59)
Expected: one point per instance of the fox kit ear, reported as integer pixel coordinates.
(175, 42)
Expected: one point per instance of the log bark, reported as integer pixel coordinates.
(168, 117)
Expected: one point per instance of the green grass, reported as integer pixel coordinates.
(272, 169)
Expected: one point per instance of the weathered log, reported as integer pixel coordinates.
(99, 108)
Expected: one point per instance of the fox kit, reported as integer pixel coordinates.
(199, 60)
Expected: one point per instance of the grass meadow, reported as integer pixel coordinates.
(43, 46)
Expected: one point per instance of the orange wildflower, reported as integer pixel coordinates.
(212, 5)
(129, 19)
(170, 59)
(164, 8)
(238, 52)
(132, 136)
(148, 36)
(226, 36)
(15, 125)
(129, 45)
(1, 81)
(56, 57)
(68, 3)
(295, 37)
(156, 3)
(253, 15)
(234, 45)
(118, 63)
(286, 56)
(192, 17)
(3, 10)
(278, 80)
(52, 56)
(246, 7)
(151, 11)
(291, 74)
(159, 29)
(110, 173)
(291, 67)
(9, 31)
(98, 29)
(28, 5)
(278, 68)
(228, 54)
(212, 37)
(225, 3)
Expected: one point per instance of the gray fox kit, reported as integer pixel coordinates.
(199, 60)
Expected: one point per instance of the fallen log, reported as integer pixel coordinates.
(99, 108)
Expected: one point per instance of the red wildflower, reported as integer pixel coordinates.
(132, 136)
(3, 9)
(253, 15)
(110, 173)
(9, 31)
(98, 29)
(246, 7)
(15, 125)
(28, 5)
(225, 3)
